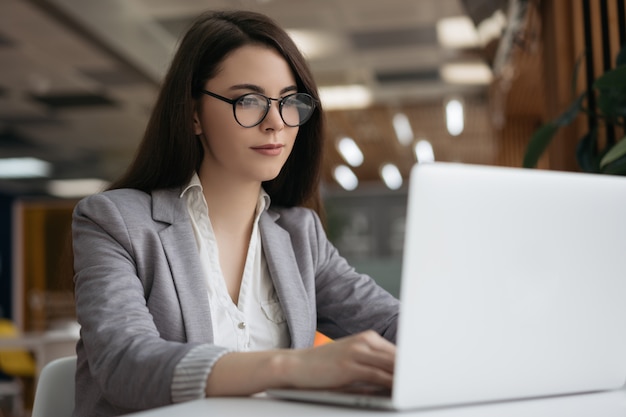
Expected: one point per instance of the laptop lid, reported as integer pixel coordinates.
(513, 285)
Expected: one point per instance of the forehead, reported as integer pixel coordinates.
(255, 64)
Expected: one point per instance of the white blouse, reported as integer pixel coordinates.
(257, 321)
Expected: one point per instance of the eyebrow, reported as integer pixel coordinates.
(258, 89)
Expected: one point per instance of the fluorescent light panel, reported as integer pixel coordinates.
(457, 32)
(345, 97)
(13, 168)
(455, 122)
(403, 129)
(424, 151)
(492, 27)
(350, 151)
(470, 73)
(314, 44)
(345, 177)
(391, 176)
(76, 188)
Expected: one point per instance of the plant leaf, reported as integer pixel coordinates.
(538, 143)
(571, 112)
(616, 152)
(587, 152)
(615, 78)
(612, 103)
(612, 93)
(617, 167)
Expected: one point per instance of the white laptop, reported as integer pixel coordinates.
(513, 286)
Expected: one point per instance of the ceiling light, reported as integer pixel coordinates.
(454, 117)
(403, 129)
(391, 176)
(424, 151)
(24, 168)
(350, 151)
(457, 32)
(467, 73)
(314, 44)
(76, 188)
(492, 27)
(345, 97)
(345, 177)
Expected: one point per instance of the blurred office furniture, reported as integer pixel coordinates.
(54, 396)
(45, 346)
(11, 399)
(41, 298)
(42, 264)
(16, 363)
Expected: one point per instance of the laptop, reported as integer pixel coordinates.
(513, 286)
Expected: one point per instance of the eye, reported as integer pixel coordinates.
(251, 101)
(291, 101)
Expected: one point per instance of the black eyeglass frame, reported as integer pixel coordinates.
(280, 101)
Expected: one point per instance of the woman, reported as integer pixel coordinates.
(200, 272)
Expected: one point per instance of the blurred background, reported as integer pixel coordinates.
(79, 78)
(402, 81)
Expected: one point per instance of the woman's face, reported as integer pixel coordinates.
(230, 150)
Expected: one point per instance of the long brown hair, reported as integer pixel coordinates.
(170, 153)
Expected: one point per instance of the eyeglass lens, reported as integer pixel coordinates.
(294, 109)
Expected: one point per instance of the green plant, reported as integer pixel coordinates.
(608, 157)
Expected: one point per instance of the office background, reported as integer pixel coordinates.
(78, 78)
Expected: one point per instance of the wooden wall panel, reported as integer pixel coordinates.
(538, 86)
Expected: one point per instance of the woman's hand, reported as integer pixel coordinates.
(362, 358)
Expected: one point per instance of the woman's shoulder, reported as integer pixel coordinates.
(296, 217)
(123, 200)
(120, 195)
(132, 202)
(295, 213)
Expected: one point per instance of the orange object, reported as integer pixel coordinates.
(321, 339)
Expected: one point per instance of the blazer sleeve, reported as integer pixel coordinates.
(347, 301)
(123, 352)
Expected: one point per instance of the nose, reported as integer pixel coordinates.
(273, 120)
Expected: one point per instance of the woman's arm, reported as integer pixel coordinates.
(364, 357)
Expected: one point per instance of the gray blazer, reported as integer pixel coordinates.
(142, 303)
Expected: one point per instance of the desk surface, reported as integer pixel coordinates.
(605, 404)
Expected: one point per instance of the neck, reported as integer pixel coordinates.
(231, 203)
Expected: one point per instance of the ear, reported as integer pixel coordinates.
(197, 127)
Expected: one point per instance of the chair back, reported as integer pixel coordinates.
(54, 396)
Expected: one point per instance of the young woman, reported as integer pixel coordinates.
(201, 272)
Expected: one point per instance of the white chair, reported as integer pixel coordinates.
(54, 396)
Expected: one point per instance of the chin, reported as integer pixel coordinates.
(269, 177)
(270, 173)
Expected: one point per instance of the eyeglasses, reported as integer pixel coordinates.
(251, 108)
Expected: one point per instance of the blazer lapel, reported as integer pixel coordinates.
(182, 255)
(285, 275)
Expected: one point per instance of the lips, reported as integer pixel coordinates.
(271, 149)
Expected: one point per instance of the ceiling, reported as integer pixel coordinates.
(78, 77)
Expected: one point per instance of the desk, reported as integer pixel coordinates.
(46, 346)
(605, 404)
